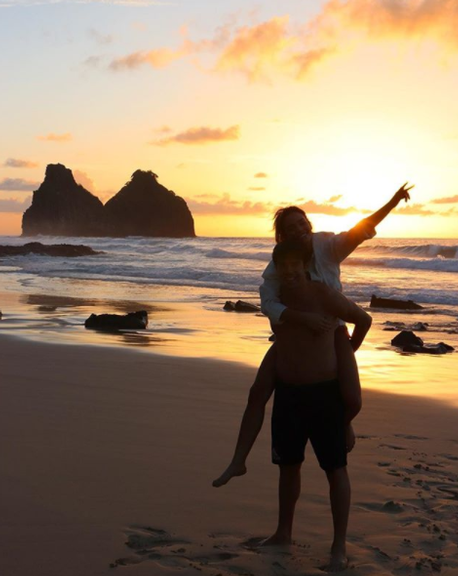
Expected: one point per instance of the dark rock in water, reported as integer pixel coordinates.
(406, 338)
(393, 303)
(61, 207)
(146, 208)
(420, 326)
(63, 250)
(133, 320)
(440, 348)
(241, 306)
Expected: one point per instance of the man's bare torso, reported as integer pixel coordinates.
(303, 356)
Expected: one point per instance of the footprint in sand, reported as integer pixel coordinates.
(392, 446)
(410, 437)
(389, 507)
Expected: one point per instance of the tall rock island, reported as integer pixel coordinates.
(143, 207)
(61, 207)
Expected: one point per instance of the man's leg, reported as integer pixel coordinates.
(253, 418)
(348, 375)
(289, 490)
(340, 495)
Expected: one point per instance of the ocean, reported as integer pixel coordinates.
(200, 269)
(184, 283)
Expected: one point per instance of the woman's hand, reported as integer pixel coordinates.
(318, 322)
(402, 194)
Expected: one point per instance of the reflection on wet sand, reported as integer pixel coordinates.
(47, 303)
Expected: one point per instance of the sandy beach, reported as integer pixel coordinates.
(108, 456)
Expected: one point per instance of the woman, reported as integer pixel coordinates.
(329, 250)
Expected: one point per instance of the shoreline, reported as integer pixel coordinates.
(102, 444)
(204, 330)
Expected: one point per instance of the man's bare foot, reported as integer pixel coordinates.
(231, 471)
(350, 437)
(277, 540)
(337, 563)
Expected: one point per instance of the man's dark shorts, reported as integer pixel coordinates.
(312, 411)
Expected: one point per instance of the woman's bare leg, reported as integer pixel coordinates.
(348, 375)
(253, 418)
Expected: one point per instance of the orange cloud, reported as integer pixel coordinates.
(261, 175)
(17, 163)
(12, 205)
(226, 206)
(256, 188)
(275, 45)
(159, 58)
(56, 137)
(18, 185)
(449, 200)
(201, 135)
(416, 210)
(312, 207)
(83, 179)
(388, 18)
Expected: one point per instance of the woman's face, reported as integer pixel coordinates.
(296, 227)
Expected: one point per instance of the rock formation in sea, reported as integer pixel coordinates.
(61, 207)
(143, 207)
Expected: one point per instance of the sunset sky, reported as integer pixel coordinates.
(239, 107)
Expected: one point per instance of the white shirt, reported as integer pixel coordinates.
(328, 252)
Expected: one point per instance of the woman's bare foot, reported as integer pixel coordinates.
(277, 540)
(231, 471)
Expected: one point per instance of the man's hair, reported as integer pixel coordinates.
(279, 220)
(290, 249)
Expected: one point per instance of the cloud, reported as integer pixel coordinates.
(254, 49)
(334, 199)
(201, 135)
(18, 185)
(17, 163)
(93, 61)
(261, 175)
(100, 38)
(226, 206)
(312, 207)
(159, 58)
(448, 200)
(56, 137)
(129, 3)
(256, 188)
(83, 179)
(259, 50)
(14, 206)
(416, 210)
(163, 130)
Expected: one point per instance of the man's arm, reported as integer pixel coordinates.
(347, 242)
(348, 311)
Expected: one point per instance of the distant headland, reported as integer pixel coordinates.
(143, 207)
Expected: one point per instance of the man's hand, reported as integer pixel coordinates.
(402, 194)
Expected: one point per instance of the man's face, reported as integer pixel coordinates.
(291, 271)
(296, 227)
